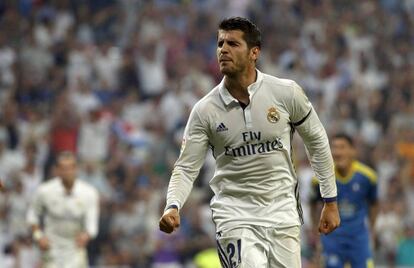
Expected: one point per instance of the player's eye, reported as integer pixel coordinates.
(232, 43)
(220, 43)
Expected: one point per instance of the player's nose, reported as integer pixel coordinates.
(224, 48)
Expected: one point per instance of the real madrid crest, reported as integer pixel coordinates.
(273, 115)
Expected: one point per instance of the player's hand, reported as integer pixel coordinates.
(170, 220)
(43, 243)
(329, 218)
(82, 239)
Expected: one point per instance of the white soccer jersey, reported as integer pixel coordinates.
(255, 181)
(65, 216)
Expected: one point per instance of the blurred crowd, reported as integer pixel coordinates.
(114, 81)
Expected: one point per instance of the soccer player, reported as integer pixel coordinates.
(69, 208)
(248, 121)
(357, 201)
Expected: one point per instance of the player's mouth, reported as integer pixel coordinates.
(224, 60)
(337, 158)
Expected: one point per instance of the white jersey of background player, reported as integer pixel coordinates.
(248, 121)
(69, 208)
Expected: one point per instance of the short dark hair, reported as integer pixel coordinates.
(251, 33)
(344, 136)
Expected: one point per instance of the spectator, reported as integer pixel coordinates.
(405, 257)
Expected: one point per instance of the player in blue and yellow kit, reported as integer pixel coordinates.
(357, 198)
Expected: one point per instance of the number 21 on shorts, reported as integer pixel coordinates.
(229, 251)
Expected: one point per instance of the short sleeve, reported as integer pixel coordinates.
(373, 190)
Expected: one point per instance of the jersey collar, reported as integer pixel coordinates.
(348, 176)
(228, 98)
(63, 189)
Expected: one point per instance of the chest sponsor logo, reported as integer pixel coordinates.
(346, 208)
(355, 187)
(221, 127)
(273, 115)
(253, 144)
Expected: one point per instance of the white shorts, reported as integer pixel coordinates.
(260, 247)
(76, 258)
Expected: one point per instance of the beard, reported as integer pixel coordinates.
(232, 70)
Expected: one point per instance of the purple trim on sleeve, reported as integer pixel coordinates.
(329, 199)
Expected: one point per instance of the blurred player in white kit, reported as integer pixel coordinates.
(63, 216)
(248, 122)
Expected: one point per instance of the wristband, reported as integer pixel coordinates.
(172, 206)
(329, 199)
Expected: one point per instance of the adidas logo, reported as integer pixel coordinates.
(221, 127)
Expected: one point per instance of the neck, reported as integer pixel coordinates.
(68, 186)
(237, 84)
(240, 81)
(344, 171)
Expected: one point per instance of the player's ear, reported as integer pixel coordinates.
(353, 152)
(254, 53)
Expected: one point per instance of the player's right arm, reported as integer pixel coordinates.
(39, 237)
(33, 219)
(170, 220)
(193, 151)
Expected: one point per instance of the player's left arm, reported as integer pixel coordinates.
(373, 199)
(305, 120)
(315, 202)
(373, 206)
(373, 212)
(91, 220)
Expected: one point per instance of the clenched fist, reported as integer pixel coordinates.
(43, 243)
(329, 218)
(170, 220)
